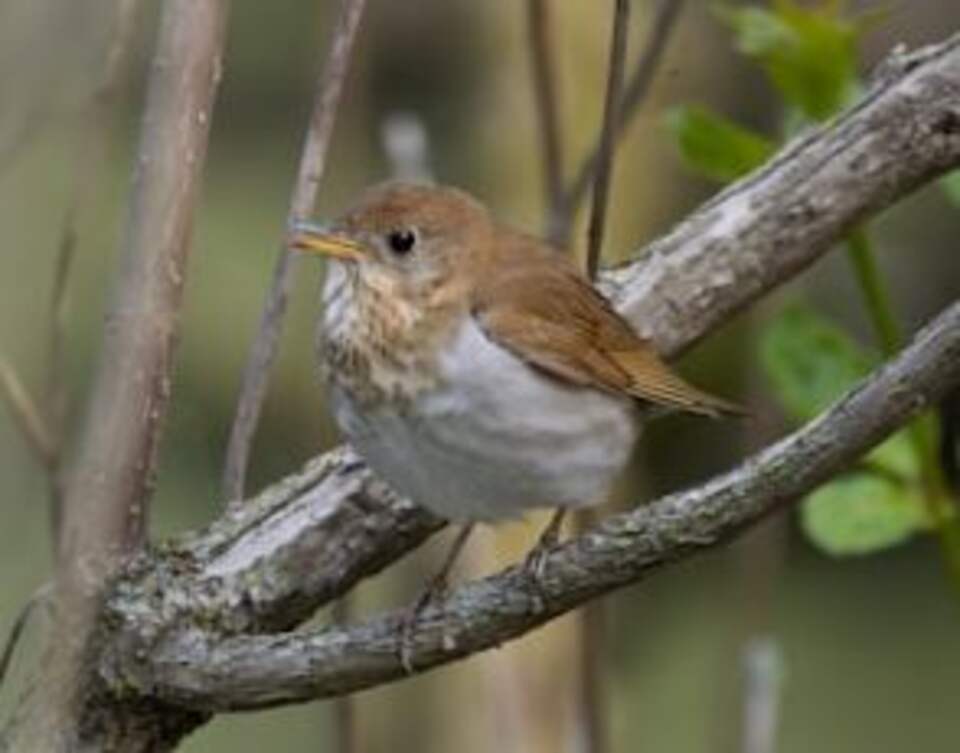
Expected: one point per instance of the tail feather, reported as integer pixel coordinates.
(652, 380)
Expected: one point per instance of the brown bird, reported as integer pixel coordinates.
(473, 366)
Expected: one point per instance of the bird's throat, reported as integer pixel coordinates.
(377, 342)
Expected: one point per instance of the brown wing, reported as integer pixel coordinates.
(543, 311)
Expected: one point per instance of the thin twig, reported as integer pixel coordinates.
(32, 124)
(543, 66)
(592, 705)
(665, 16)
(256, 374)
(611, 116)
(344, 707)
(19, 624)
(25, 412)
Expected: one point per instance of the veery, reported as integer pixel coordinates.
(473, 366)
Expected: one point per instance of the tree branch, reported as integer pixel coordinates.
(771, 225)
(104, 516)
(203, 671)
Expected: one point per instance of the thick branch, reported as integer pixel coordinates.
(206, 672)
(780, 219)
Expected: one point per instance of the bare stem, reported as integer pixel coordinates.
(24, 410)
(104, 515)
(313, 160)
(664, 20)
(344, 707)
(921, 432)
(544, 70)
(611, 116)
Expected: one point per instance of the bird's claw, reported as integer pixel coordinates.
(535, 567)
(432, 592)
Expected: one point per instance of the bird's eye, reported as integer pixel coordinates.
(401, 242)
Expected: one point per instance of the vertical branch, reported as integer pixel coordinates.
(313, 161)
(90, 141)
(113, 477)
(105, 504)
(664, 20)
(545, 90)
(922, 432)
(25, 412)
(591, 700)
(407, 147)
(344, 706)
(763, 679)
(608, 132)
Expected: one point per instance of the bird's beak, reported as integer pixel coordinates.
(318, 239)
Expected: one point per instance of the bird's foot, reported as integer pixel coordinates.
(535, 564)
(433, 591)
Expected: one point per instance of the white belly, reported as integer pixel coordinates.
(498, 438)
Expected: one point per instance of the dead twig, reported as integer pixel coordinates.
(24, 410)
(256, 374)
(543, 67)
(611, 117)
(38, 597)
(664, 20)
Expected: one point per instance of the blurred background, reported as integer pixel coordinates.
(868, 647)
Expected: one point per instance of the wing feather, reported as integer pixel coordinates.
(542, 310)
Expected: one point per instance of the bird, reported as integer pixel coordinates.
(474, 367)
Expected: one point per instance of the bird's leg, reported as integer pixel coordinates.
(432, 590)
(537, 557)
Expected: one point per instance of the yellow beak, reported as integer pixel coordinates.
(317, 239)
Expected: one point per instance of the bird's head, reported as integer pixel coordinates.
(413, 238)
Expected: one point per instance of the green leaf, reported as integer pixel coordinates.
(951, 187)
(715, 146)
(861, 513)
(810, 361)
(808, 53)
